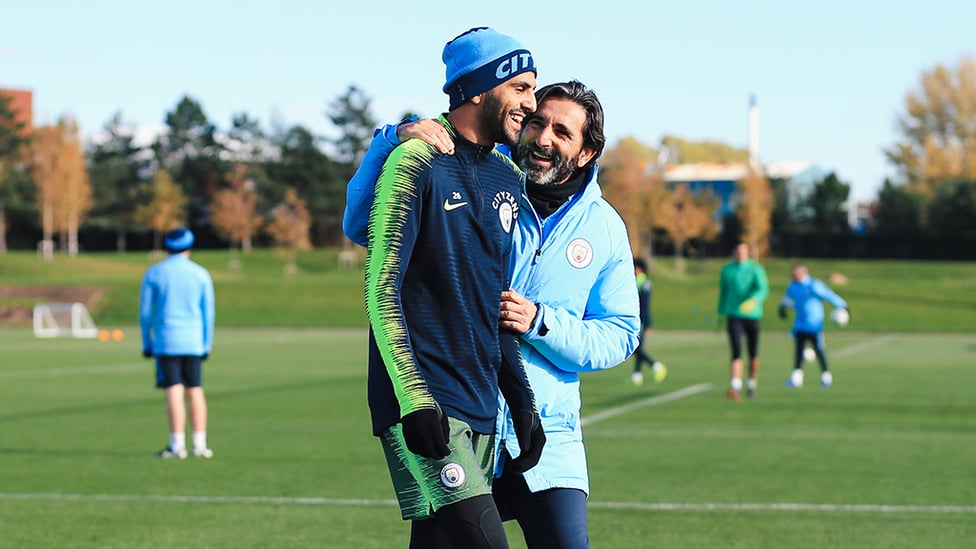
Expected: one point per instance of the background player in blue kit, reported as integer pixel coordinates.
(176, 315)
(806, 295)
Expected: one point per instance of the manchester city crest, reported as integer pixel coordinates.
(506, 204)
(579, 253)
(452, 475)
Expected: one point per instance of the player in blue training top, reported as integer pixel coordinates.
(806, 295)
(176, 315)
(440, 235)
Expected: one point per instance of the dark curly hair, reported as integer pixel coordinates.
(574, 90)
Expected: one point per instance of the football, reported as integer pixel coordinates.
(809, 354)
(840, 317)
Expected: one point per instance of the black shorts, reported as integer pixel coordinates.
(738, 326)
(179, 370)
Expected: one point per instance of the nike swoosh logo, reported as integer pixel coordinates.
(448, 206)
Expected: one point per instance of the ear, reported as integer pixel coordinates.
(585, 156)
(478, 98)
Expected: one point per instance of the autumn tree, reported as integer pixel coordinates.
(232, 211)
(163, 207)
(63, 188)
(755, 211)
(289, 226)
(635, 190)
(315, 177)
(688, 216)
(45, 146)
(74, 192)
(938, 129)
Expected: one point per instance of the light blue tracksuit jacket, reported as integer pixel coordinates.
(578, 267)
(176, 308)
(807, 296)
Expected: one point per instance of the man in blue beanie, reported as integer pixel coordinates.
(176, 315)
(440, 236)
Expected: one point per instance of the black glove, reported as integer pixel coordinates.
(426, 433)
(782, 311)
(204, 357)
(531, 439)
(146, 353)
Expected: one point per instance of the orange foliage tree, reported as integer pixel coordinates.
(232, 209)
(755, 211)
(63, 189)
(163, 208)
(289, 226)
(687, 216)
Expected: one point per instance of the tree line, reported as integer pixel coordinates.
(285, 186)
(235, 187)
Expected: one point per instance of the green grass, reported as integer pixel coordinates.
(80, 421)
(883, 295)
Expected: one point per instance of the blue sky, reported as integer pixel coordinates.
(830, 77)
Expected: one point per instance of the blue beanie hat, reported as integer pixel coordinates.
(178, 240)
(480, 59)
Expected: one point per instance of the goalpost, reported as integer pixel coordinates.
(63, 320)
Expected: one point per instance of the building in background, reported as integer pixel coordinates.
(22, 105)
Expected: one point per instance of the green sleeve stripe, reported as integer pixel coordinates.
(395, 189)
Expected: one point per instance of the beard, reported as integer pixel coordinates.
(559, 171)
(494, 121)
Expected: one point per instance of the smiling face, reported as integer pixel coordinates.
(505, 107)
(551, 147)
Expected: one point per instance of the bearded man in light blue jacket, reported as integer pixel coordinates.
(573, 298)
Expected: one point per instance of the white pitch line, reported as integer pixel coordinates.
(864, 345)
(78, 370)
(651, 401)
(802, 507)
(197, 499)
(638, 506)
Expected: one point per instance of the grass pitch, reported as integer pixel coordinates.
(885, 458)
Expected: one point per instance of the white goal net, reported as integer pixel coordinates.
(63, 320)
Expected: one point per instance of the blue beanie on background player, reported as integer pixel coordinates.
(178, 240)
(480, 59)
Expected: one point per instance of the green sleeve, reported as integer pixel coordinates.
(394, 222)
